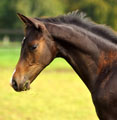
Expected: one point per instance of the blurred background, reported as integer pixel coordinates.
(57, 93)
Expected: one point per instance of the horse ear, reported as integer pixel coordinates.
(25, 19)
(32, 22)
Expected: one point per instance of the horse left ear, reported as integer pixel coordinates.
(32, 22)
(38, 25)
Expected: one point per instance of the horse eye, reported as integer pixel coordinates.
(33, 47)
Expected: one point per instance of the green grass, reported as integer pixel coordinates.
(53, 96)
(9, 55)
(56, 94)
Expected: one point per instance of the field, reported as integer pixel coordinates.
(56, 94)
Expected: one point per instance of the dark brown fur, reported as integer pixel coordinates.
(106, 59)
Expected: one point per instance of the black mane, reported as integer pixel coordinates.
(80, 19)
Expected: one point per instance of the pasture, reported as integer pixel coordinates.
(56, 94)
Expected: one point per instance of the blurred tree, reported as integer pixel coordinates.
(112, 13)
(34, 8)
(40, 8)
(101, 11)
(7, 13)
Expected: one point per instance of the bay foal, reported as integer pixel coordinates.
(91, 50)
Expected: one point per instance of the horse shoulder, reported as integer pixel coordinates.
(105, 94)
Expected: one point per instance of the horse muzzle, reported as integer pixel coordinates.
(20, 87)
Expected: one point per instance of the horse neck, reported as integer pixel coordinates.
(78, 49)
(83, 64)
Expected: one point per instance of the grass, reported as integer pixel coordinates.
(9, 55)
(56, 94)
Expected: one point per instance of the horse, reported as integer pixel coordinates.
(90, 48)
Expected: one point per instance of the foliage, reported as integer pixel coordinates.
(7, 13)
(9, 8)
(101, 11)
(40, 7)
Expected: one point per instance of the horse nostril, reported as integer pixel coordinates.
(14, 84)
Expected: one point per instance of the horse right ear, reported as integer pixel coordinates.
(32, 22)
(25, 19)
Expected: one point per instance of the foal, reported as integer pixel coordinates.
(88, 47)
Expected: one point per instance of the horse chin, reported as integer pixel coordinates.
(26, 86)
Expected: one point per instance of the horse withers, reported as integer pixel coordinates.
(91, 50)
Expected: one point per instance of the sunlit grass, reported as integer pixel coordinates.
(56, 94)
(53, 96)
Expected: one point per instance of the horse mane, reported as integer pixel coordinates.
(80, 19)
